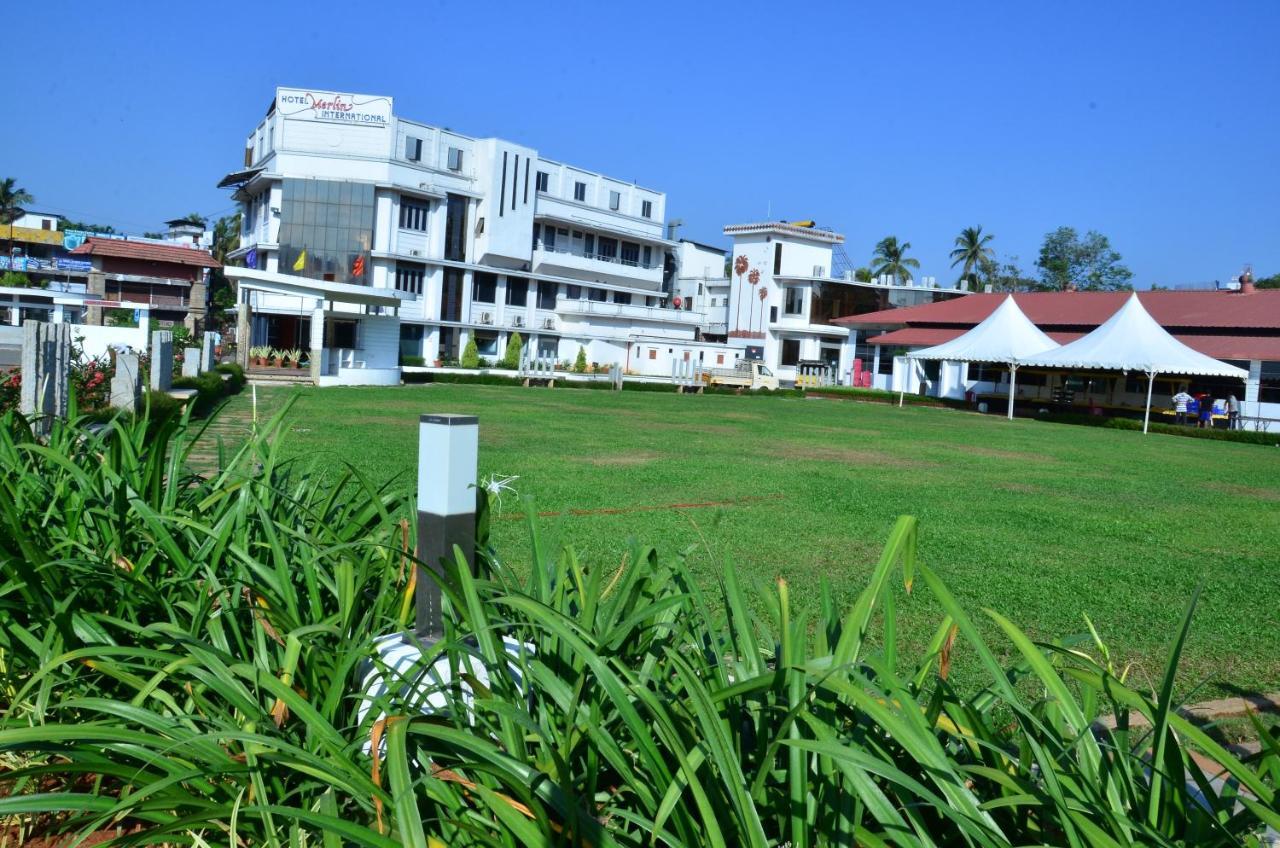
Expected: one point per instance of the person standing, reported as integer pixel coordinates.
(1206, 413)
(1233, 412)
(1180, 401)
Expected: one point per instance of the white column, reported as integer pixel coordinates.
(317, 340)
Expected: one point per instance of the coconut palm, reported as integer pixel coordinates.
(12, 200)
(972, 251)
(891, 258)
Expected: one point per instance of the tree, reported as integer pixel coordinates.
(972, 251)
(14, 280)
(470, 354)
(580, 364)
(511, 359)
(863, 275)
(1272, 282)
(12, 199)
(891, 258)
(84, 227)
(194, 218)
(1090, 264)
(226, 239)
(1006, 275)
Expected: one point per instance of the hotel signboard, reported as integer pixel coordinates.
(361, 110)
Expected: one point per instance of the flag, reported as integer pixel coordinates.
(301, 262)
(357, 269)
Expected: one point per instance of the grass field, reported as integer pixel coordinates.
(1046, 523)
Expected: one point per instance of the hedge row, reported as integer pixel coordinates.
(883, 396)
(1249, 437)
(501, 380)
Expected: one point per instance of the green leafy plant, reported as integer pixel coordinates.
(184, 658)
(470, 354)
(580, 363)
(511, 358)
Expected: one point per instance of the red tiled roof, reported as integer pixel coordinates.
(1220, 309)
(1219, 347)
(173, 254)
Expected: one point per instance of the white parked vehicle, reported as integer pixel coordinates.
(747, 374)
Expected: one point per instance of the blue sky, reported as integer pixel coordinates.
(1156, 123)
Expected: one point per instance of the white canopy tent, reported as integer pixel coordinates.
(1131, 340)
(1006, 336)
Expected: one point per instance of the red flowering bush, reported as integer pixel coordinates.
(10, 390)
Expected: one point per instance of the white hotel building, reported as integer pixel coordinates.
(368, 237)
(370, 240)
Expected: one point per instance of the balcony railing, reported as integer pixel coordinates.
(626, 310)
(166, 300)
(599, 257)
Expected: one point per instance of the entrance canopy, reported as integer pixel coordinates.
(1131, 340)
(1006, 335)
(291, 284)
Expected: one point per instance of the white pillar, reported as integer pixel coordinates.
(1151, 382)
(1013, 379)
(317, 340)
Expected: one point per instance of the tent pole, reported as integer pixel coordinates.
(1151, 382)
(1013, 378)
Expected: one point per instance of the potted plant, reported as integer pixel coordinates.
(277, 358)
(294, 355)
(259, 355)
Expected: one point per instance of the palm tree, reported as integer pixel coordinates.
(891, 258)
(972, 250)
(195, 218)
(12, 200)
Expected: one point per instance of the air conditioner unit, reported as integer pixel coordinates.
(548, 323)
(517, 321)
(486, 317)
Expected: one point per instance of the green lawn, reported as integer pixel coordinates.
(1044, 522)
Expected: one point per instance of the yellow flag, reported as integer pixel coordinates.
(301, 262)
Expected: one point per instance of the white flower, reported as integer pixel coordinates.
(497, 485)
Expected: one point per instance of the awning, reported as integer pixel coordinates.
(235, 179)
(290, 284)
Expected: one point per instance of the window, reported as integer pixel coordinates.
(589, 245)
(411, 340)
(622, 297)
(777, 258)
(580, 192)
(484, 287)
(653, 353)
(1269, 383)
(451, 297)
(886, 358)
(630, 253)
(455, 229)
(549, 238)
(646, 208)
(342, 334)
(486, 343)
(598, 295)
(773, 314)
(543, 182)
(517, 291)
(608, 248)
(413, 215)
(412, 148)
(794, 304)
(547, 294)
(790, 351)
(46, 224)
(615, 200)
(409, 277)
(573, 292)
(648, 257)
(455, 159)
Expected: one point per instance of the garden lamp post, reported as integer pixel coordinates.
(448, 449)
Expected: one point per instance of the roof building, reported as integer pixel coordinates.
(371, 239)
(787, 292)
(1239, 328)
(170, 279)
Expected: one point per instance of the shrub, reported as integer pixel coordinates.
(413, 361)
(1248, 437)
(185, 652)
(580, 364)
(511, 358)
(470, 355)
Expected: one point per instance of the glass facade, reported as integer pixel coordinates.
(326, 230)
